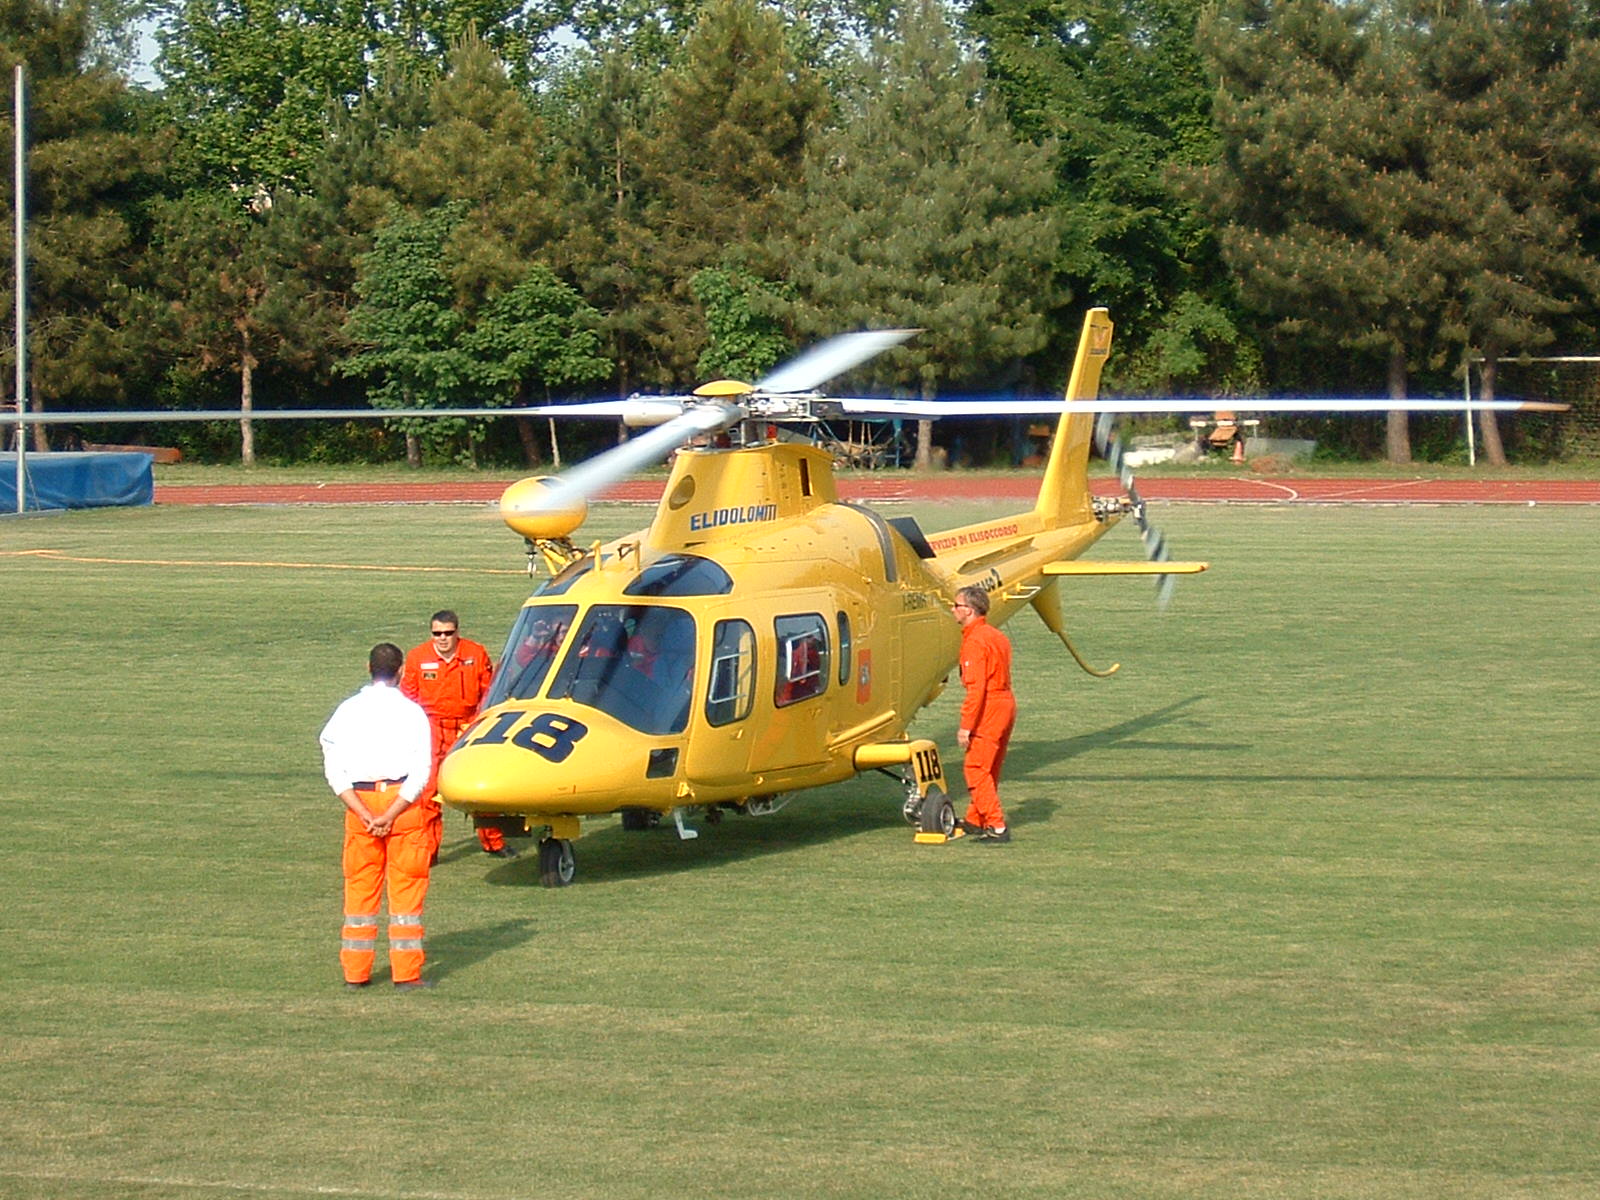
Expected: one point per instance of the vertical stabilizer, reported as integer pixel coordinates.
(1064, 494)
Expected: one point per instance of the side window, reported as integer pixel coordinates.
(802, 658)
(733, 673)
(844, 647)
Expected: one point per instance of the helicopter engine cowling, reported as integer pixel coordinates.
(541, 507)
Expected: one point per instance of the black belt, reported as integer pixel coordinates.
(372, 785)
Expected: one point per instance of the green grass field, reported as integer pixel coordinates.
(1302, 903)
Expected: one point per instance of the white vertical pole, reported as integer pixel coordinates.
(1466, 394)
(22, 290)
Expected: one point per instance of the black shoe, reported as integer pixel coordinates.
(504, 852)
(355, 985)
(411, 985)
(972, 830)
(996, 837)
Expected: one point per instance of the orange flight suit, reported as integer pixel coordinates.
(401, 858)
(989, 712)
(450, 692)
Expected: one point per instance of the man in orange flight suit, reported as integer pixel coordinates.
(987, 714)
(449, 676)
(376, 751)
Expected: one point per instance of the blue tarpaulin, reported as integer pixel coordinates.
(72, 479)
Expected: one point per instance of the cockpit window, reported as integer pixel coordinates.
(681, 575)
(534, 642)
(634, 662)
(558, 585)
(732, 692)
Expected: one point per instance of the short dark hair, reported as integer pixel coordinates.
(445, 614)
(974, 598)
(385, 662)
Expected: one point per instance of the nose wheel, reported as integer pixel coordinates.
(936, 814)
(557, 865)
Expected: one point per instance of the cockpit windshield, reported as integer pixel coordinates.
(634, 662)
(533, 645)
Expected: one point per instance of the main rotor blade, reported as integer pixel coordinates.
(646, 410)
(933, 409)
(154, 416)
(594, 476)
(636, 410)
(832, 357)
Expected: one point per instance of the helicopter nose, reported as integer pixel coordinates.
(517, 762)
(490, 778)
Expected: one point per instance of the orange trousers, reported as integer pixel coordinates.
(401, 861)
(445, 732)
(986, 754)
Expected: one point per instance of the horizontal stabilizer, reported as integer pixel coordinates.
(1080, 567)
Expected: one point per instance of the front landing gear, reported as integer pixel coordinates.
(936, 814)
(557, 864)
(927, 804)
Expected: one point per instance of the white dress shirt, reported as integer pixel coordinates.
(378, 734)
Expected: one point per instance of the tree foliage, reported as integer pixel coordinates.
(720, 146)
(90, 172)
(702, 185)
(1120, 91)
(428, 345)
(922, 208)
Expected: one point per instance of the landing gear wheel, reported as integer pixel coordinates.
(937, 814)
(557, 865)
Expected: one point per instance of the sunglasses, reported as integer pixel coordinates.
(443, 632)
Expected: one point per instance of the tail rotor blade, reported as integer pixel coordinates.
(1109, 443)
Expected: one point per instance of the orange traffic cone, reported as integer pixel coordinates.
(1238, 449)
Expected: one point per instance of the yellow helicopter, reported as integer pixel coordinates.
(760, 636)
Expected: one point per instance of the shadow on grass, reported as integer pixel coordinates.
(1124, 735)
(1024, 801)
(462, 948)
(608, 855)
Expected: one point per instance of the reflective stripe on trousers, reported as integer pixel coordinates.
(399, 861)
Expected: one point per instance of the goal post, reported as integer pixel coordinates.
(1571, 379)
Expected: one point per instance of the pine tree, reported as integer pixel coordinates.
(600, 114)
(1518, 103)
(924, 208)
(1119, 89)
(482, 143)
(1326, 208)
(90, 168)
(212, 276)
(723, 143)
(1405, 179)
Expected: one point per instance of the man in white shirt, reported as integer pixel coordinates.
(377, 750)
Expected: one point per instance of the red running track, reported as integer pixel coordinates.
(955, 486)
